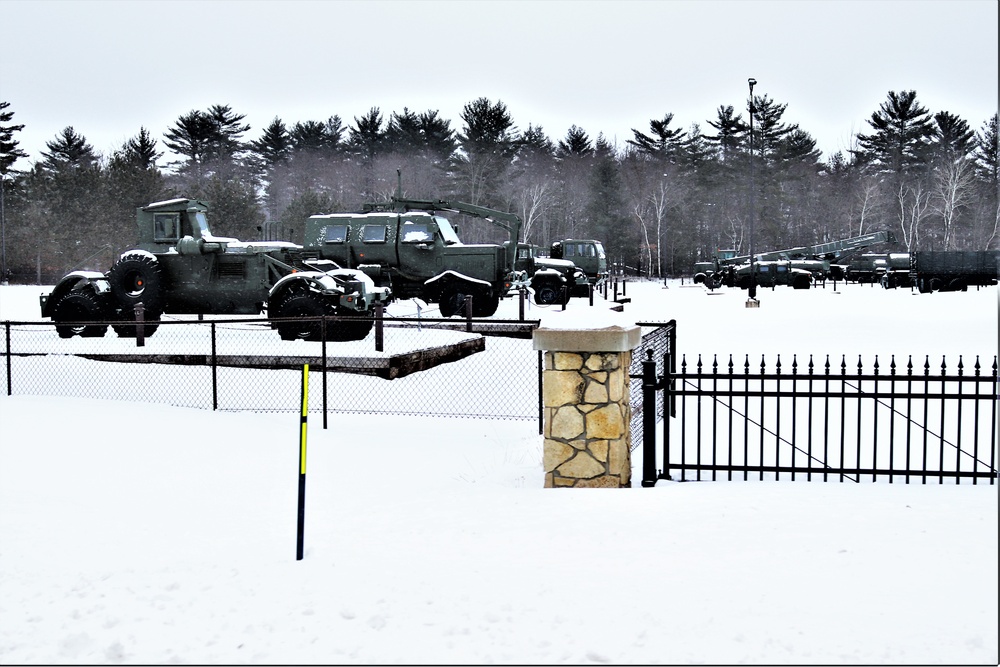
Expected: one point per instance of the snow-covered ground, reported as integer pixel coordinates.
(141, 533)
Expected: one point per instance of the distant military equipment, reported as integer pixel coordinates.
(180, 267)
(953, 270)
(410, 246)
(820, 260)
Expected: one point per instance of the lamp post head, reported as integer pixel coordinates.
(753, 82)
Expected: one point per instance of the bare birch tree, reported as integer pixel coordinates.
(953, 189)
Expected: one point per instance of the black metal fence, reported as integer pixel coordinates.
(442, 367)
(814, 421)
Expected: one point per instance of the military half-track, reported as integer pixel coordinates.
(180, 267)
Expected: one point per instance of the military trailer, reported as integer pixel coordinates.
(410, 246)
(953, 270)
(180, 267)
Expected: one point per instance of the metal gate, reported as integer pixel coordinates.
(824, 420)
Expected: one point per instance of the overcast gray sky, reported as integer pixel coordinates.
(108, 68)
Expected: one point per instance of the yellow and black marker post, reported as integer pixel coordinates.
(303, 419)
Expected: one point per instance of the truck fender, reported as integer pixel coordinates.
(452, 276)
(97, 281)
(314, 280)
(547, 274)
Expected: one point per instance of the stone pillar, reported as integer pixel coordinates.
(585, 396)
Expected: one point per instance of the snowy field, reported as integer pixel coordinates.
(139, 533)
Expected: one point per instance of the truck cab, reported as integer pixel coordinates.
(587, 254)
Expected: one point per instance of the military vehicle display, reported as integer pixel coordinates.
(410, 247)
(532, 263)
(769, 273)
(588, 254)
(953, 270)
(819, 260)
(865, 268)
(180, 267)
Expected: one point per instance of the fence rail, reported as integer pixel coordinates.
(825, 421)
(428, 366)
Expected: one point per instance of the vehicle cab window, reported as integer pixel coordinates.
(336, 234)
(166, 226)
(417, 232)
(373, 233)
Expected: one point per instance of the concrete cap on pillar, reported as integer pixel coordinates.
(608, 339)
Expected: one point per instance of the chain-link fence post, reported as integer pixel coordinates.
(215, 371)
(7, 327)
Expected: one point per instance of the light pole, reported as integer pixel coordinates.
(752, 301)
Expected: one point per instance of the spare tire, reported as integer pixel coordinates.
(137, 277)
(80, 312)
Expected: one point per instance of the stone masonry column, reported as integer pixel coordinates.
(585, 398)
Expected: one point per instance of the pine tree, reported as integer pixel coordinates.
(489, 142)
(902, 130)
(665, 145)
(274, 145)
(68, 150)
(730, 130)
(9, 154)
(403, 133)
(9, 151)
(366, 138)
(576, 144)
(438, 136)
(606, 208)
(192, 137)
(953, 139)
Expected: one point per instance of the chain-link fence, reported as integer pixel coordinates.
(658, 339)
(458, 368)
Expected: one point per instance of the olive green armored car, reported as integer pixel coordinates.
(180, 267)
(410, 246)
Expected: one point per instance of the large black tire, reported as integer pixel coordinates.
(149, 325)
(548, 293)
(485, 303)
(138, 278)
(312, 307)
(76, 307)
(301, 303)
(801, 281)
(451, 301)
(350, 326)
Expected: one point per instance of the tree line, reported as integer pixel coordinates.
(668, 197)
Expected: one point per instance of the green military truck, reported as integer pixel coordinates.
(588, 254)
(410, 246)
(180, 267)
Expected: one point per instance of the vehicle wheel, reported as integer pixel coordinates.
(136, 278)
(306, 305)
(547, 293)
(452, 301)
(79, 306)
(485, 304)
(801, 282)
(350, 326)
(149, 325)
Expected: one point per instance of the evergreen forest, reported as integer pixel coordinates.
(668, 197)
